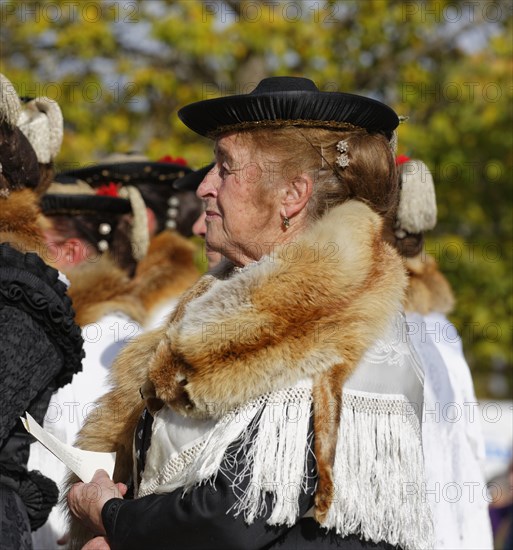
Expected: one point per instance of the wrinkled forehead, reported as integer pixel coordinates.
(234, 147)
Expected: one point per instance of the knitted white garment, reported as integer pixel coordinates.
(378, 470)
(10, 104)
(453, 443)
(417, 204)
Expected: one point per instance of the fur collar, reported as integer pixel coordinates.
(310, 310)
(22, 224)
(167, 270)
(317, 303)
(99, 288)
(428, 290)
(325, 305)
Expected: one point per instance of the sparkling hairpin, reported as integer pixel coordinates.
(342, 148)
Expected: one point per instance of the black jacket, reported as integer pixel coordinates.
(202, 518)
(40, 350)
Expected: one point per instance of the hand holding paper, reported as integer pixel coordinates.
(86, 500)
(82, 463)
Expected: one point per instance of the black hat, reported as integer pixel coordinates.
(191, 181)
(71, 196)
(130, 172)
(288, 101)
(68, 204)
(154, 180)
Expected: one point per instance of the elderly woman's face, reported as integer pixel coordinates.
(243, 223)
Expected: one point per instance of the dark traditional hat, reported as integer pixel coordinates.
(71, 196)
(288, 101)
(154, 180)
(120, 169)
(191, 181)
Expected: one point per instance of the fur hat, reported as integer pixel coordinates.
(288, 101)
(41, 122)
(18, 162)
(417, 203)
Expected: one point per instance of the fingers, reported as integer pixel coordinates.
(99, 476)
(98, 543)
(73, 497)
(122, 488)
(86, 500)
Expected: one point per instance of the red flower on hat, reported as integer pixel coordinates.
(108, 190)
(173, 160)
(401, 159)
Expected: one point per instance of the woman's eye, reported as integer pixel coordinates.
(224, 171)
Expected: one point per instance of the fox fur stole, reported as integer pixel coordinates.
(310, 310)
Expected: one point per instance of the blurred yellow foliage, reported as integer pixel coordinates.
(121, 70)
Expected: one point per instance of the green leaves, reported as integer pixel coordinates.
(121, 70)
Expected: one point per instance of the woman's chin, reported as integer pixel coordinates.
(213, 258)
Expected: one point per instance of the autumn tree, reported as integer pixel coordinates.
(121, 69)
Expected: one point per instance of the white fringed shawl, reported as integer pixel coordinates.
(378, 470)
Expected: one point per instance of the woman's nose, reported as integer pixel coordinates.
(208, 187)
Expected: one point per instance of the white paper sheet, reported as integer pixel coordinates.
(82, 463)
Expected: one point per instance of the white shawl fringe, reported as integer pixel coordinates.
(378, 470)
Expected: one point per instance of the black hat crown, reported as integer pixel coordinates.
(284, 84)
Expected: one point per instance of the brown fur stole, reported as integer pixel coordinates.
(102, 287)
(167, 270)
(310, 310)
(22, 224)
(428, 290)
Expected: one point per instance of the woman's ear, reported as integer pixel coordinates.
(74, 251)
(296, 195)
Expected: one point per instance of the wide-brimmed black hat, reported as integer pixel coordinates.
(103, 207)
(288, 101)
(191, 181)
(77, 202)
(154, 180)
(130, 172)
